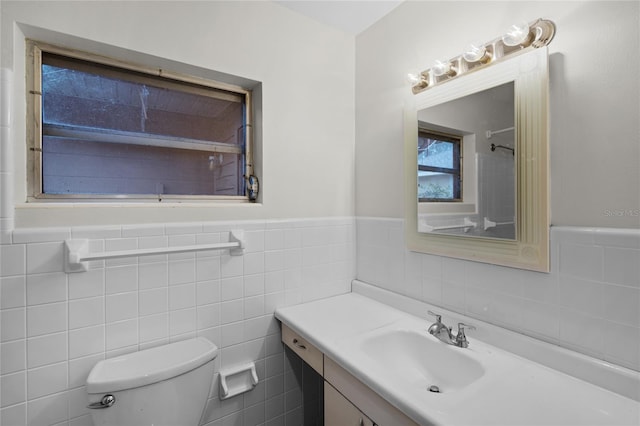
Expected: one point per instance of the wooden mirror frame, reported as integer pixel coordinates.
(530, 250)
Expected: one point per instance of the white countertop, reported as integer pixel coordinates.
(513, 390)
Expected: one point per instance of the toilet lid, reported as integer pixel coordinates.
(150, 365)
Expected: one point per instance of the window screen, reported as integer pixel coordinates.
(113, 132)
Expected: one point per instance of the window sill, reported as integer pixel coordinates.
(46, 204)
(73, 214)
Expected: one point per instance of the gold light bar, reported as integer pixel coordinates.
(518, 38)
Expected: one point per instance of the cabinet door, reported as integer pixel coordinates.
(338, 411)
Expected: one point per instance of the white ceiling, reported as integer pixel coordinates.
(351, 16)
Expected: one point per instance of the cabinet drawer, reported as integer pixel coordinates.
(305, 350)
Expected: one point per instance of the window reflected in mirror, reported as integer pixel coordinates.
(473, 137)
(439, 167)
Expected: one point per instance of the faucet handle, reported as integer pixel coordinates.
(461, 339)
(462, 325)
(438, 316)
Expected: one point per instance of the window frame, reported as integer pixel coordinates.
(168, 79)
(457, 141)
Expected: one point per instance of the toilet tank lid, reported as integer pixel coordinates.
(150, 365)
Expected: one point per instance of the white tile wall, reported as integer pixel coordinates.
(56, 326)
(590, 302)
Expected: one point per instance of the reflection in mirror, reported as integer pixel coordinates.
(467, 165)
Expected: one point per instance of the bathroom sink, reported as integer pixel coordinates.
(420, 360)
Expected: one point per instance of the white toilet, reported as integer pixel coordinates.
(166, 385)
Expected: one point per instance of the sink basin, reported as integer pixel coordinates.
(421, 360)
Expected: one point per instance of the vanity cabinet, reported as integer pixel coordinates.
(339, 411)
(347, 401)
(367, 401)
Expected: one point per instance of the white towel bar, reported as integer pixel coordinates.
(490, 133)
(468, 224)
(77, 253)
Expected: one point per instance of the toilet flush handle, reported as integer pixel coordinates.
(106, 402)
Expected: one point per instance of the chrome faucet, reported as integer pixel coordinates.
(440, 330)
(443, 333)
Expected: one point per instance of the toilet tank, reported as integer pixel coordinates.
(166, 385)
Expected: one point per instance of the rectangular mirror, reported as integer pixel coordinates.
(476, 161)
(466, 165)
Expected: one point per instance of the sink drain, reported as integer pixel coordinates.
(434, 389)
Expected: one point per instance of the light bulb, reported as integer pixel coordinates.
(441, 68)
(517, 34)
(417, 79)
(475, 53)
(414, 78)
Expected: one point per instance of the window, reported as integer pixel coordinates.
(104, 129)
(439, 167)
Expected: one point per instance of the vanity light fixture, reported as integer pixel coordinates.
(519, 37)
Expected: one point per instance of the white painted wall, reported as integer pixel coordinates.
(594, 102)
(307, 75)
